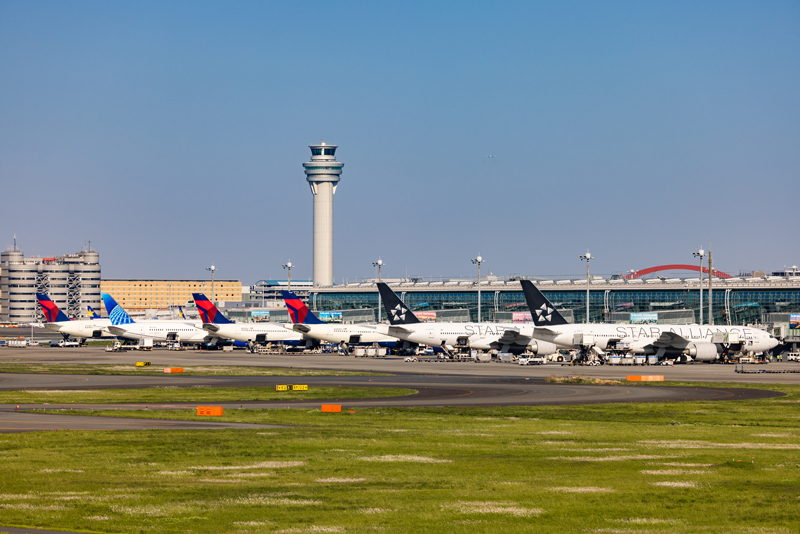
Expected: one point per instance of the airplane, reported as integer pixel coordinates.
(305, 322)
(215, 323)
(94, 314)
(158, 330)
(505, 337)
(57, 321)
(704, 343)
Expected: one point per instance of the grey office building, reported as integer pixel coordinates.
(72, 281)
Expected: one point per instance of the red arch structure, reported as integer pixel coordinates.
(675, 267)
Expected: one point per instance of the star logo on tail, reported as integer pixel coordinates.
(545, 313)
(399, 313)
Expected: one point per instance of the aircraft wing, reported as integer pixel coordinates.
(670, 339)
(117, 331)
(512, 335)
(399, 330)
(543, 330)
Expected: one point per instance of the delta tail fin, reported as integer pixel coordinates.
(208, 312)
(298, 310)
(117, 315)
(397, 312)
(52, 312)
(542, 310)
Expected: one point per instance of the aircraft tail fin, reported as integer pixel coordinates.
(542, 310)
(117, 315)
(52, 312)
(298, 310)
(397, 312)
(94, 313)
(208, 312)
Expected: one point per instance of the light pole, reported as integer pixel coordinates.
(169, 306)
(212, 269)
(288, 266)
(700, 254)
(378, 264)
(588, 257)
(478, 262)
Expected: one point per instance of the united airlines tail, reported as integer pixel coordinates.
(52, 313)
(298, 310)
(94, 313)
(117, 315)
(542, 310)
(208, 312)
(397, 311)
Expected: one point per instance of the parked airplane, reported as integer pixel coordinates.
(305, 322)
(57, 321)
(505, 337)
(94, 314)
(698, 342)
(158, 330)
(215, 323)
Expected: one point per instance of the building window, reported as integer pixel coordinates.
(316, 151)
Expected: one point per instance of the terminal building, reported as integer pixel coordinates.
(72, 281)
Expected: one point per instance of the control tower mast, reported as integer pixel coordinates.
(322, 173)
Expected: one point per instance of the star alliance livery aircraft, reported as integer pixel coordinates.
(505, 337)
(699, 342)
(345, 334)
(57, 321)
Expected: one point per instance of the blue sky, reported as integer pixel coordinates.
(171, 134)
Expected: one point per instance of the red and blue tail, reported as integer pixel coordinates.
(51, 312)
(208, 312)
(298, 310)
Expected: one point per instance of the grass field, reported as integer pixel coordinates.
(221, 370)
(617, 468)
(192, 394)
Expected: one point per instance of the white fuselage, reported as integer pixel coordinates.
(83, 328)
(479, 336)
(253, 332)
(343, 333)
(654, 339)
(183, 331)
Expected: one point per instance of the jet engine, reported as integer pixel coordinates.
(542, 348)
(703, 352)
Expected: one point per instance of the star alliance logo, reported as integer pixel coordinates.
(545, 313)
(399, 313)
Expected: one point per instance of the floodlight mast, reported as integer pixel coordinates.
(378, 264)
(588, 257)
(478, 262)
(212, 269)
(700, 254)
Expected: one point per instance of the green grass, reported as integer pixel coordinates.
(206, 370)
(193, 394)
(447, 470)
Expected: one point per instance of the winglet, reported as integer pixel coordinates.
(542, 310)
(115, 312)
(52, 312)
(298, 310)
(397, 312)
(208, 312)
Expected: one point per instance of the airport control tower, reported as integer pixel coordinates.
(322, 173)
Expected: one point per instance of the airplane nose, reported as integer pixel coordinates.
(773, 343)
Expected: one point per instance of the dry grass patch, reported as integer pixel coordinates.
(582, 380)
(405, 458)
(585, 489)
(489, 507)
(334, 480)
(676, 484)
(674, 472)
(259, 465)
(621, 458)
(697, 444)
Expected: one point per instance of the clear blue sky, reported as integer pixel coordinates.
(171, 134)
